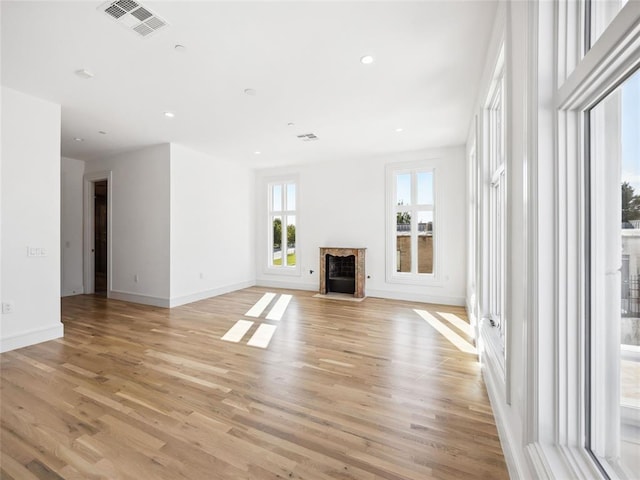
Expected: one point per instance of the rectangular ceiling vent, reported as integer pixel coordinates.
(308, 137)
(133, 16)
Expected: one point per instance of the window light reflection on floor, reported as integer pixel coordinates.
(446, 332)
(457, 322)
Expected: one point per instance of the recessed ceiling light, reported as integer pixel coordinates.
(399, 129)
(102, 132)
(257, 152)
(169, 114)
(290, 124)
(250, 91)
(83, 73)
(180, 48)
(366, 60)
(78, 139)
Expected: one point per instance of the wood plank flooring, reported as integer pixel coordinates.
(343, 390)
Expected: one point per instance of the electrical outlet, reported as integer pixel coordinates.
(36, 252)
(8, 307)
(135, 278)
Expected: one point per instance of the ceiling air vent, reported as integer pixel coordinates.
(308, 137)
(133, 16)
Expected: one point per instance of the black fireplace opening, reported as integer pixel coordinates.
(341, 274)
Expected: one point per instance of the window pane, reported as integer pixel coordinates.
(291, 240)
(497, 127)
(425, 242)
(291, 196)
(276, 247)
(403, 189)
(630, 233)
(403, 242)
(425, 188)
(615, 284)
(602, 13)
(276, 202)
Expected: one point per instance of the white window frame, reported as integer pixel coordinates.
(492, 228)
(413, 277)
(282, 269)
(585, 79)
(495, 137)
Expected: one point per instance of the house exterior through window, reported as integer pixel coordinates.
(412, 250)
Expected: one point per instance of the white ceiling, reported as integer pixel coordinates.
(302, 59)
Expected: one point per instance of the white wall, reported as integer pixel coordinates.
(342, 204)
(30, 206)
(140, 233)
(71, 224)
(212, 226)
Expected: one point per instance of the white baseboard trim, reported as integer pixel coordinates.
(73, 291)
(417, 297)
(177, 301)
(31, 337)
(138, 298)
(194, 297)
(409, 297)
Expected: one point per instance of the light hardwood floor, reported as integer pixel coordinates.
(344, 390)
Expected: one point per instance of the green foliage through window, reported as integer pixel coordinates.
(630, 203)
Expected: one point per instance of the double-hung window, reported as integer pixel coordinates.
(282, 226)
(497, 203)
(598, 233)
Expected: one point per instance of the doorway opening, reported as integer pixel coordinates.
(100, 236)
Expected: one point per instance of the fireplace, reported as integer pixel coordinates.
(342, 271)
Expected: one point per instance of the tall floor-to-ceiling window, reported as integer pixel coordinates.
(497, 205)
(282, 201)
(598, 177)
(572, 165)
(493, 226)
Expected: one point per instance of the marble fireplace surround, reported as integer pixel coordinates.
(358, 253)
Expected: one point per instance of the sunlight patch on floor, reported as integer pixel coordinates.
(457, 322)
(260, 305)
(238, 331)
(446, 332)
(263, 334)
